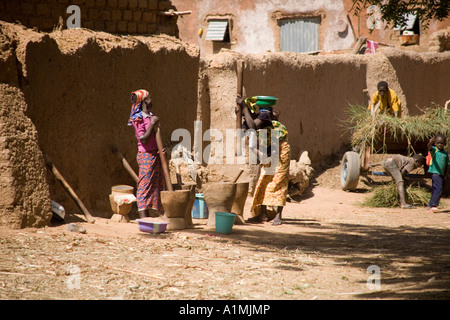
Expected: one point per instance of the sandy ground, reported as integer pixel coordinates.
(329, 248)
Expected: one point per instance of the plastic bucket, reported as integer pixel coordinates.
(224, 222)
(200, 209)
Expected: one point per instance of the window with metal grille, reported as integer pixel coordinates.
(300, 34)
(218, 30)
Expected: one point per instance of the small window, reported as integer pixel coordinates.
(412, 24)
(218, 30)
(300, 34)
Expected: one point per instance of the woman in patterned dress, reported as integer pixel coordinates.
(151, 178)
(271, 188)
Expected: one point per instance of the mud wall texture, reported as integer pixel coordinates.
(77, 84)
(440, 40)
(424, 78)
(24, 200)
(314, 92)
(114, 16)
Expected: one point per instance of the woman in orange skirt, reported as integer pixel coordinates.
(271, 188)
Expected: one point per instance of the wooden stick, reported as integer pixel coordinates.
(359, 43)
(172, 12)
(164, 165)
(240, 75)
(238, 175)
(385, 44)
(69, 190)
(351, 27)
(125, 163)
(312, 52)
(19, 274)
(178, 174)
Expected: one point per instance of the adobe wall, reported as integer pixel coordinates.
(25, 195)
(113, 16)
(424, 78)
(314, 91)
(76, 87)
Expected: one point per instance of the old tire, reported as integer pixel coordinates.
(350, 171)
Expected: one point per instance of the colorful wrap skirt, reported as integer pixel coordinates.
(151, 181)
(271, 190)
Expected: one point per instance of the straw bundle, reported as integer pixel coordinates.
(383, 127)
(386, 196)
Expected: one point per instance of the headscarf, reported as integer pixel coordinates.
(136, 110)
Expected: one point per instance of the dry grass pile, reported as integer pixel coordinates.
(386, 196)
(383, 127)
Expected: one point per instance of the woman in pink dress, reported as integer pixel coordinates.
(151, 178)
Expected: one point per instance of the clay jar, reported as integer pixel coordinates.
(174, 204)
(219, 197)
(239, 201)
(120, 212)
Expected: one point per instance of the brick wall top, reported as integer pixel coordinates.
(114, 16)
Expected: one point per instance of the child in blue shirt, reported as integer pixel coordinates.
(438, 169)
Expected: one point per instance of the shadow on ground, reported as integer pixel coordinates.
(414, 262)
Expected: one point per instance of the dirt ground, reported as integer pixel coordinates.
(327, 249)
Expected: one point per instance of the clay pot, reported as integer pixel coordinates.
(219, 197)
(239, 201)
(174, 204)
(120, 211)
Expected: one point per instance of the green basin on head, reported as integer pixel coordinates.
(265, 101)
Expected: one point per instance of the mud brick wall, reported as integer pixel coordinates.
(66, 95)
(25, 195)
(113, 16)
